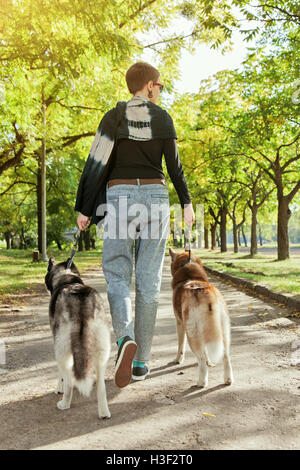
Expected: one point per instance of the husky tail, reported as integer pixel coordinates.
(81, 339)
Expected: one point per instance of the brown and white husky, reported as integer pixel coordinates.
(81, 335)
(201, 316)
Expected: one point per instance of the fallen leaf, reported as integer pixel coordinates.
(209, 415)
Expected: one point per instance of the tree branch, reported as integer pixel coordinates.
(217, 157)
(294, 191)
(285, 12)
(170, 39)
(137, 12)
(13, 184)
(249, 145)
(215, 217)
(288, 145)
(294, 159)
(73, 138)
(265, 197)
(12, 161)
(76, 106)
(263, 168)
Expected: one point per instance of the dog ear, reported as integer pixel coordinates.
(51, 263)
(172, 254)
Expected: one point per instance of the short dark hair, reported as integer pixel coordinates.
(139, 74)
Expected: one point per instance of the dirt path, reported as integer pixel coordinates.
(166, 411)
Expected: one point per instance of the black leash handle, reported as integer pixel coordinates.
(74, 249)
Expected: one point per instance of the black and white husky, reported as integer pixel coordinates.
(81, 335)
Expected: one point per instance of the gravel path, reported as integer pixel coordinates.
(166, 411)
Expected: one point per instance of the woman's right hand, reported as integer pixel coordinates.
(189, 215)
(82, 221)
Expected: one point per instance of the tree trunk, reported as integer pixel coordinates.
(244, 237)
(235, 236)
(223, 230)
(213, 234)
(239, 237)
(283, 245)
(173, 237)
(39, 206)
(260, 236)
(253, 248)
(22, 240)
(218, 239)
(206, 243)
(43, 182)
(8, 240)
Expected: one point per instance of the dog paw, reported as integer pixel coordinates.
(228, 380)
(62, 406)
(202, 384)
(103, 412)
(179, 360)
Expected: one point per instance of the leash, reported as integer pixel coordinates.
(189, 245)
(74, 249)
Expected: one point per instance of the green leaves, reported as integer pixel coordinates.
(79, 52)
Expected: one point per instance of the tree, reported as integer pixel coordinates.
(269, 131)
(255, 111)
(61, 71)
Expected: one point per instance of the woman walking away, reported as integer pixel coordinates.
(131, 139)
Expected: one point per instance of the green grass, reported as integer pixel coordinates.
(18, 272)
(264, 269)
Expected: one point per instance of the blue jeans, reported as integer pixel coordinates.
(136, 229)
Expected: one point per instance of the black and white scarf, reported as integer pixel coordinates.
(137, 119)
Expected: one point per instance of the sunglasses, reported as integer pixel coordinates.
(161, 87)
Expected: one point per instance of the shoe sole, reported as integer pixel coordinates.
(124, 365)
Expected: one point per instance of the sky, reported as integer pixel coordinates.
(205, 61)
